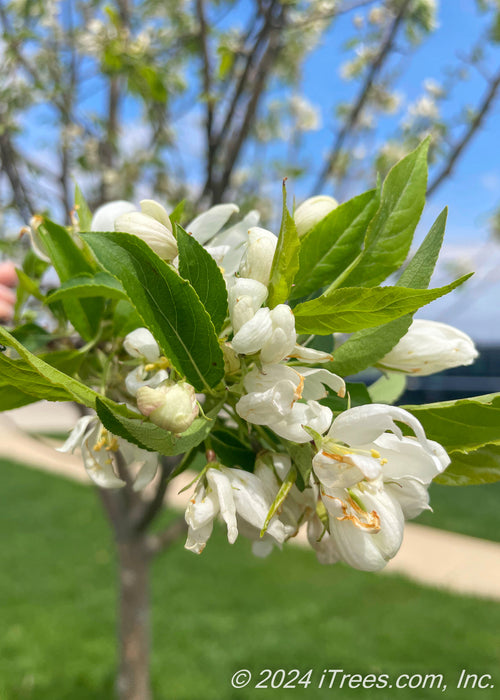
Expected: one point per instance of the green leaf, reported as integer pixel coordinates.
(353, 308)
(366, 347)
(175, 215)
(356, 395)
(334, 243)
(82, 209)
(168, 306)
(464, 424)
(139, 431)
(45, 381)
(389, 236)
(301, 455)
(200, 269)
(283, 492)
(388, 389)
(100, 285)
(32, 336)
(231, 451)
(69, 262)
(286, 259)
(481, 466)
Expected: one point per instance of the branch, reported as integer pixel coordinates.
(362, 98)
(160, 542)
(9, 159)
(462, 143)
(207, 88)
(259, 82)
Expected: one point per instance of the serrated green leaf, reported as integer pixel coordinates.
(69, 262)
(481, 466)
(137, 430)
(389, 236)
(83, 211)
(350, 309)
(286, 259)
(167, 304)
(367, 347)
(334, 243)
(99, 285)
(465, 424)
(200, 269)
(38, 378)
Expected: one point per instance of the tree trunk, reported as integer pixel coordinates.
(133, 682)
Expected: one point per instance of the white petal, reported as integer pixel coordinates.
(325, 548)
(147, 472)
(252, 335)
(316, 379)
(310, 355)
(364, 424)
(141, 343)
(157, 211)
(206, 225)
(76, 436)
(99, 465)
(312, 211)
(312, 414)
(258, 257)
(263, 408)
(135, 380)
(106, 215)
(221, 484)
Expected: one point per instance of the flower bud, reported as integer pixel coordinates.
(106, 215)
(430, 347)
(156, 235)
(245, 297)
(232, 362)
(312, 211)
(141, 343)
(172, 406)
(258, 257)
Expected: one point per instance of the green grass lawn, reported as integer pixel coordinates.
(469, 510)
(213, 614)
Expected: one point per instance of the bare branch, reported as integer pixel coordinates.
(362, 98)
(9, 160)
(207, 88)
(474, 126)
(160, 542)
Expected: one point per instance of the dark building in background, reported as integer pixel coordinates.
(483, 377)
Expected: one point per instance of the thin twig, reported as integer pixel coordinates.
(361, 99)
(462, 143)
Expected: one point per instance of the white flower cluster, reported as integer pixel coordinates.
(365, 477)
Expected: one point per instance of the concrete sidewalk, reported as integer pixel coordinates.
(457, 563)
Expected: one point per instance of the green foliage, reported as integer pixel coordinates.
(334, 243)
(99, 285)
(286, 259)
(167, 305)
(231, 451)
(353, 308)
(82, 209)
(366, 347)
(38, 378)
(389, 235)
(139, 431)
(70, 261)
(481, 466)
(388, 389)
(200, 269)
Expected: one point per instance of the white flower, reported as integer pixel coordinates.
(99, 448)
(151, 224)
(273, 399)
(272, 332)
(234, 239)
(245, 297)
(170, 406)
(312, 211)
(141, 343)
(306, 354)
(371, 480)
(258, 257)
(429, 347)
(209, 223)
(105, 216)
(239, 497)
